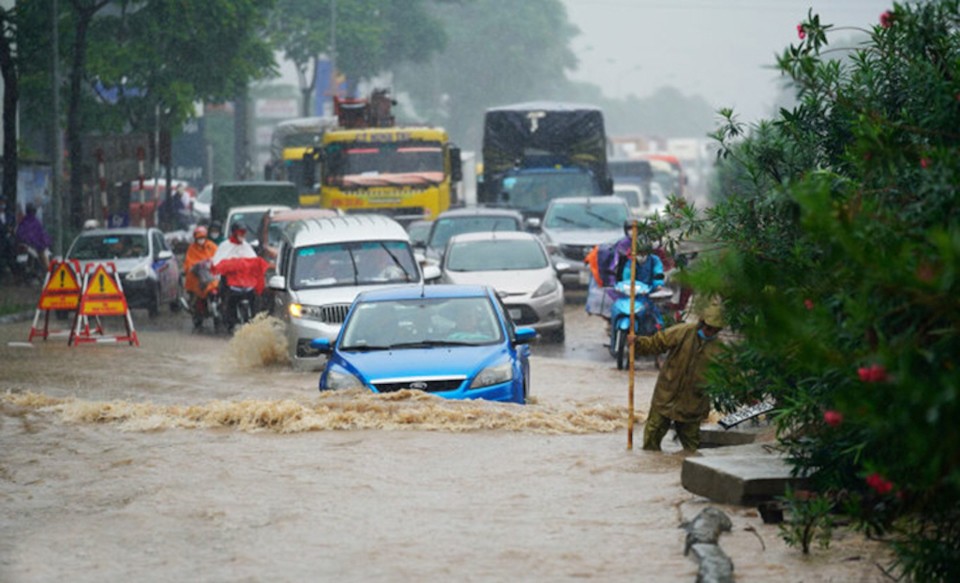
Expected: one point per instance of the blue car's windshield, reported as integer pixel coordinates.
(420, 323)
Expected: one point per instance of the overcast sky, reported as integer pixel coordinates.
(719, 49)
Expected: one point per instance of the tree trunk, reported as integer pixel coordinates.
(74, 138)
(241, 154)
(11, 95)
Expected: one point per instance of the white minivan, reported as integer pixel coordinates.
(322, 265)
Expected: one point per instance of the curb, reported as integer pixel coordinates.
(18, 317)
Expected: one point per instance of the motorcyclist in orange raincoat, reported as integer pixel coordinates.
(200, 252)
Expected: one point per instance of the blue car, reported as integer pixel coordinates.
(453, 341)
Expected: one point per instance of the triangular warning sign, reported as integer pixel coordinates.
(62, 280)
(101, 284)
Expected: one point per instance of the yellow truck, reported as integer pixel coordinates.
(369, 165)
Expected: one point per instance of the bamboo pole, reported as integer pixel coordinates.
(631, 337)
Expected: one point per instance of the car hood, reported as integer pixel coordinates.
(582, 236)
(512, 282)
(437, 361)
(335, 295)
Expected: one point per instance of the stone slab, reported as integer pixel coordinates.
(745, 480)
(717, 436)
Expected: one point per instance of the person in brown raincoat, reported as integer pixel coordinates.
(678, 397)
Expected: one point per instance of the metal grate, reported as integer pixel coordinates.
(527, 314)
(429, 386)
(334, 313)
(575, 252)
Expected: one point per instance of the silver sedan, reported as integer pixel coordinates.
(516, 264)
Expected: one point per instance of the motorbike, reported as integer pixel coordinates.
(241, 283)
(207, 306)
(648, 316)
(29, 264)
(240, 306)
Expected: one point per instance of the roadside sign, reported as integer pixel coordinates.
(102, 296)
(60, 292)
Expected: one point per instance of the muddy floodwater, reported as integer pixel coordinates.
(201, 458)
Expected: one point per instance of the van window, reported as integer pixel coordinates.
(349, 264)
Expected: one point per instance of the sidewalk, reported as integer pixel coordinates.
(13, 293)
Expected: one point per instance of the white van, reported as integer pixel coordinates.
(324, 263)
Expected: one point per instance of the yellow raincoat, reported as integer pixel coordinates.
(678, 394)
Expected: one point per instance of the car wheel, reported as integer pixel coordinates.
(153, 308)
(621, 347)
(178, 301)
(558, 335)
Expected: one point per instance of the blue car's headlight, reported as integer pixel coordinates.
(493, 375)
(339, 379)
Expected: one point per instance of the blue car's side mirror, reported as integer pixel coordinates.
(525, 335)
(321, 345)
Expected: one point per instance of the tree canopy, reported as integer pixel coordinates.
(837, 248)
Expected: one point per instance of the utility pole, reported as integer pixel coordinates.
(333, 47)
(56, 142)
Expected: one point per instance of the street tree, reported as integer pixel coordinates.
(837, 248)
(498, 52)
(363, 37)
(135, 65)
(11, 97)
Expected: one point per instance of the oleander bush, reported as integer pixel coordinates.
(837, 255)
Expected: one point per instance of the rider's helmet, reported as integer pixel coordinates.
(200, 232)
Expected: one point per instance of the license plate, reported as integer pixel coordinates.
(22, 258)
(515, 314)
(584, 277)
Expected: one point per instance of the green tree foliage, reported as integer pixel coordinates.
(157, 54)
(841, 250)
(371, 36)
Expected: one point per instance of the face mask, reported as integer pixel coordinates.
(704, 336)
(201, 240)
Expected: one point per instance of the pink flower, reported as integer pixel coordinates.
(833, 418)
(925, 163)
(800, 32)
(875, 373)
(886, 19)
(879, 484)
(808, 304)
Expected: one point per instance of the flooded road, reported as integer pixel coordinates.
(198, 458)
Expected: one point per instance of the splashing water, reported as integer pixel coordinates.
(259, 343)
(342, 410)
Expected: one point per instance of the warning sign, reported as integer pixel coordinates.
(62, 292)
(101, 285)
(102, 295)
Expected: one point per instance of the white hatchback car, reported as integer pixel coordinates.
(515, 264)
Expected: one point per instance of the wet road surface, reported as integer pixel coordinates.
(202, 458)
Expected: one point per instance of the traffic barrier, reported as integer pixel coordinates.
(61, 291)
(102, 296)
